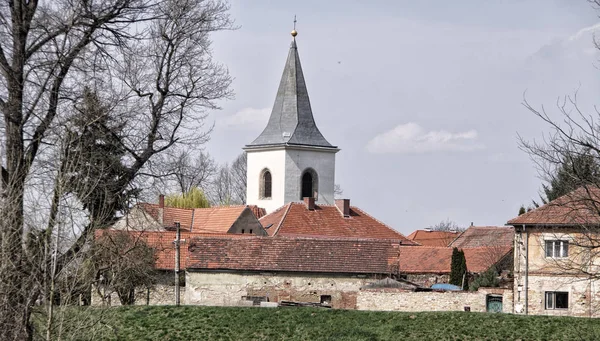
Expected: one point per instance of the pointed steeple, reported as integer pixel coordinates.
(291, 121)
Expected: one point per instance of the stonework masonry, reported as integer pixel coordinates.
(163, 293)
(402, 300)
(230, 289)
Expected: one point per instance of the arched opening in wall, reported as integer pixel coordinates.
(310, 184)
(266, 184)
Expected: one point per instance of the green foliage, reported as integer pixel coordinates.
(237, 323)
(488, 279)
(576, 169)
(458, 269)
(195, 198)
(92, 159)
(522, 210)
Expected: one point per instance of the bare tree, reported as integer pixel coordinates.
(193, 171)
(446, 225)
(229, 184)
(149, 60)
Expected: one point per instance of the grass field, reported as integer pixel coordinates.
(213, 323)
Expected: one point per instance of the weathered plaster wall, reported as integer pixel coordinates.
(163, 293)
(584, 296)
(323, 162)
(400, 300)
(227, 288)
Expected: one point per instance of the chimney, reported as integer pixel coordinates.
(428, 229)
(344, 206)
(310, 203)
(161, 209)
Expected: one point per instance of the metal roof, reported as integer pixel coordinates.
(291, 121)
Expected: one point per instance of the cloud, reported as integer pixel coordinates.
(246, 119)
(578, 46)
(412, 138)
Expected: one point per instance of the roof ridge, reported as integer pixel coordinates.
(282, 219)
(379, 221)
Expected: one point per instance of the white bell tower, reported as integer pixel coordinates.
(290, 159)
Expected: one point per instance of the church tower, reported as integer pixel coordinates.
(291, 159)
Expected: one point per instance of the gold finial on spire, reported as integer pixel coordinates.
(294, 32)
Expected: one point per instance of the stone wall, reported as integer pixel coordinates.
(427, 280)
(402, 300)
(163, 293)
(235, 288)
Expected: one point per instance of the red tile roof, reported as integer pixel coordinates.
(218, 219)
(164, 248)
(329, 255)
(477, 236)
(580, 207)
(433, 238)
(295, 219)
(427, 259)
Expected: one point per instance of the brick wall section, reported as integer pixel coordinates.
(401, 300)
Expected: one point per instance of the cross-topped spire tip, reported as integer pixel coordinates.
(294, 32)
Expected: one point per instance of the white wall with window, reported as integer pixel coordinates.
(556, 248)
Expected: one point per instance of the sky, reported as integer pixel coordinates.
(424, 98)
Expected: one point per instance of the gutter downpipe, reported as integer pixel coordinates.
(526, 270)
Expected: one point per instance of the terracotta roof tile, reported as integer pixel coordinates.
(433, 238)
(164, 248)
(332, 255)
(427, 259)
(476, 236)
(295, 219)
(218, 219)
(580, 207)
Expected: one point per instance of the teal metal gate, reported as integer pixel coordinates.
(494, 303)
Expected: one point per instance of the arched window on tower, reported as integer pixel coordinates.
(266, 184)
(309, 184)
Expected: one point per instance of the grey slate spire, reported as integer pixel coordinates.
(291, 121)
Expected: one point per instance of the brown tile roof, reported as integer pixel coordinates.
(330, 255)
(428, 259)
(164, 248)
(295, 219)
(477, 236)
(218, 219)
(580, 207)
(433, 238)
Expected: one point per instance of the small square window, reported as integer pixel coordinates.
(557, 300)
(557, 249)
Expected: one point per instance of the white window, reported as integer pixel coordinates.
(557, 300)
(557, 249)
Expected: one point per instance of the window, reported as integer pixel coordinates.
(306, 185)
(309, 184)
(268, 184)
(557, 249)
(557, 300)
(243, 231)
(326, 300)
(250, 231)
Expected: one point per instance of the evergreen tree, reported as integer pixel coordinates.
(458, 269)
(93, 156)
(522, 210)
(194, 198)
(575, 170)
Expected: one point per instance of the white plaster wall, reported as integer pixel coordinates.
(323, 162)
(274, 160)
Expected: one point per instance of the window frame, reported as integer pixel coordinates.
(551, 304)
(315, 183)
(562, 252)
(262, 188)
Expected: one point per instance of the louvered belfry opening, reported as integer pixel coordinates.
(307, 185)
(267, 184)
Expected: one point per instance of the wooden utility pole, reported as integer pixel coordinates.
(177, 252)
